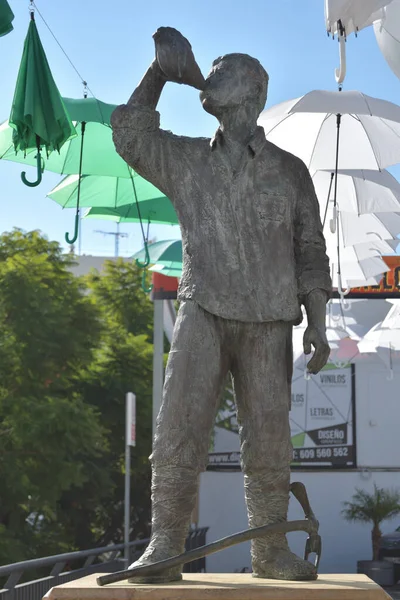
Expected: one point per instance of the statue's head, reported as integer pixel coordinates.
(235, 80)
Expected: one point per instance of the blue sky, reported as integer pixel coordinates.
(111, 45)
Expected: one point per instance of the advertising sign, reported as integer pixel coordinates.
(321, 423)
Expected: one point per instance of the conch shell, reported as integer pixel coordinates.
(175, 57)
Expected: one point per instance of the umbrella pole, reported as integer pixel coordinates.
(334, 219)
(76, 228)
(327, 200)
(142, 265)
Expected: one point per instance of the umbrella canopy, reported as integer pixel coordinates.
(168, 271)
(387, 33)
(352, 14)
(359, 257)
(99, 156)
(38, 115)
(359, 191)
(166, 252)
(155, 211)
(384, 337)
(366, 228)
(307, 127)
(6, 18)
(114, 198)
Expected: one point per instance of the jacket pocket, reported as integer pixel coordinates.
(272, 207)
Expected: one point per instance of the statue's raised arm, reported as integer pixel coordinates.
(136, 125)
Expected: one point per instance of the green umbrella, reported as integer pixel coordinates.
(6, 18)
(168, 270)
(99, 155)
(167, 253)
(164, 252)
(114, 198)
(91, 152)
(38, 115)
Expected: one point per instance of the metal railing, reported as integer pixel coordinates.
(73, 565)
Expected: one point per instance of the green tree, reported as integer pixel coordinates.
(48, 433)
(373, 508)
(122, 362)
(70, 349)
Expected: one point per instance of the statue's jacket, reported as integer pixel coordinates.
(252, 238)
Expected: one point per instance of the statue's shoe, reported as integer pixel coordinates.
(150, 556)
(283, 564)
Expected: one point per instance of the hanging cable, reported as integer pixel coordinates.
(33, 4)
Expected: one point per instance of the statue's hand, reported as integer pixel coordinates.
(175, 58)
(316, 337)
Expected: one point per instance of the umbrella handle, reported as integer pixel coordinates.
(145, 288)
(143, 265)
(340, 73)
(76, 231)
(39, 173)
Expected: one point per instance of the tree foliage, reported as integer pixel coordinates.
(374, 508)
(70, 348)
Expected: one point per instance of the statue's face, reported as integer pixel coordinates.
(228, 85)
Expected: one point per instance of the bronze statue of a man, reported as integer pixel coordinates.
(253, 253)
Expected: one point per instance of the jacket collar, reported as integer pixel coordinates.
(256, 142)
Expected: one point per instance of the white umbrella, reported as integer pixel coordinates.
(387, 33)
(336, 131)
(367, 228)
(343, 17)
(384, 338)
(359, 191)
(360, 264)
(352, 14)
(343, 130)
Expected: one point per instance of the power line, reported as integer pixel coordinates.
(83, 81)
(117, 234)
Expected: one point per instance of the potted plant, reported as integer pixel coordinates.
(374, 508)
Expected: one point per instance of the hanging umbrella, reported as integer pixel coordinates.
(356, 264)
(343, 17)
(387, 33)
(166, 253)
(114, 198)
(38, 116)
(359, 191)
(384, 338)
(6, 18)
(352, 15)
(168, 271)
(99, 156)
(91, 152)
(364, 228)
(336, 130)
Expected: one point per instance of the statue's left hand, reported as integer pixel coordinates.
(316, 337)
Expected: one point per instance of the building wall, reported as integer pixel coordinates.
(222, 507)
(84, 264)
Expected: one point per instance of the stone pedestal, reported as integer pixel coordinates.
(225, 586)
